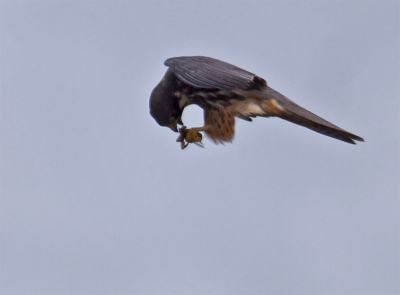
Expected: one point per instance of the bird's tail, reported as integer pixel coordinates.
(298, 115)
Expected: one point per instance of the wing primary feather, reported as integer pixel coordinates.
(206, 72)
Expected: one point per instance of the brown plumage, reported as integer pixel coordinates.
(224, 92)
(220, 124)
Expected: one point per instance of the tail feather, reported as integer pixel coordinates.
(323, 128)
(298, 115)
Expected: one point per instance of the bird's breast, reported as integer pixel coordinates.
(220, 124)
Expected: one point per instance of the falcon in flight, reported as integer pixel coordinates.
(224, 92)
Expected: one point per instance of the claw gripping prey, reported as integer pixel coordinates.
(226, 92)
(187, 136)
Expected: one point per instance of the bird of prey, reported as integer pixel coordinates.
(224, 92)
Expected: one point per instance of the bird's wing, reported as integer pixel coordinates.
(210, 73)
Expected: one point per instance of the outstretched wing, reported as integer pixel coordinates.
(210, 73)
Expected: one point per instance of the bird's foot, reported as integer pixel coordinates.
(187, 136)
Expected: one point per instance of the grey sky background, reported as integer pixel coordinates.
(96, 198)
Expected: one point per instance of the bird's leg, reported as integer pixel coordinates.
(191, 135)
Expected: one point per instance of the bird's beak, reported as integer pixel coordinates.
(173, 126)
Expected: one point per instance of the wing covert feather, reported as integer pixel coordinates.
(210, 73)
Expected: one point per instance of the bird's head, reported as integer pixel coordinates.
(164, 104)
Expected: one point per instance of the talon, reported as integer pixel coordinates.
(184, 145)
(187, 136)
(199, 144)
(182, 134)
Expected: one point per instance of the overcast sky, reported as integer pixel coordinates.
(96, 198)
